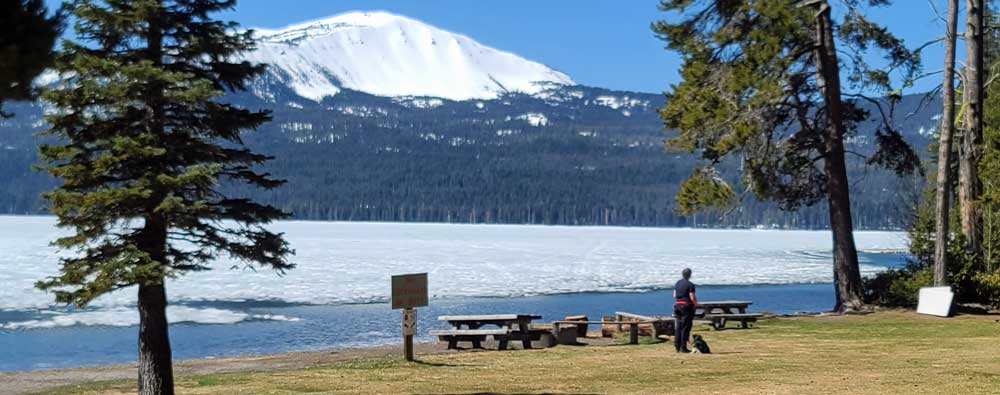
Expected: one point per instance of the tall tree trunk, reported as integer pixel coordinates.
(156, 375)
(972, 134)
(846, 274)
(943, 197)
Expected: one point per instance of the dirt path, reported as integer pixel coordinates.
(36, 380)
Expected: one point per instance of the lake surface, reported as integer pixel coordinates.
(336, 296)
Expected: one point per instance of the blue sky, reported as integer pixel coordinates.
(597, 42)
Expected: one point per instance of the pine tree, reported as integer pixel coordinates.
(988, 279)
(144, 150)
(970, 149)
(762, 83)
(943, 189)
(27, 35)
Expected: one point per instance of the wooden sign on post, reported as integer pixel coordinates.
(409, 291)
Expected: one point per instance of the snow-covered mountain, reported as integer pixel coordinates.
(391, 55)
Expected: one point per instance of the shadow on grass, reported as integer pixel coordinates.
(643, 341)
(516, 393)
(964, 309)
(442, 364)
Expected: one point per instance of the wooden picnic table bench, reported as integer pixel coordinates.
(719, 320)
(633, 327)
(722, 307)
(475, 336)
(468, 328)
(718, 313)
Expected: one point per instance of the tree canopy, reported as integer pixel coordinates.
(145, 142)
(761, 81)
(750, 90)
(27, 34)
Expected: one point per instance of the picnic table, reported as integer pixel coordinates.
(722, 307)
(720, 312)
(470, 328)
(621, 319)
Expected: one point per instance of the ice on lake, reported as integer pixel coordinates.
(342, 262)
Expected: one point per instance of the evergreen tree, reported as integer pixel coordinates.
(762, 82)
(970, 149)
(27, 35)
(944, 190)
(987, 278)
(973, 267)
(143, 150)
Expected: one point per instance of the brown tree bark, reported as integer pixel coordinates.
(969, 187)
(846, 274)
(156, 375)
(943, 198)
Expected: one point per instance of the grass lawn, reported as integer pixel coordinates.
(886, 352)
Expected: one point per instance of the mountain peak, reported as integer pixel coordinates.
(328, 25)
(391, 55)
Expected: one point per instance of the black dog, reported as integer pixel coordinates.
(700, 346)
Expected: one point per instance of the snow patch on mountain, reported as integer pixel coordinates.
(554, 93)
(534, 119)
(362, 111)
(391, 55)
(619, 102)
(418, 102)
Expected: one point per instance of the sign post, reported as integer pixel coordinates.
(409, 330)
(409, 291)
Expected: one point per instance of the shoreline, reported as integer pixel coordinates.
(599, 226)
(807, 345)
(23, 381)
(366, 326)
(26, 381)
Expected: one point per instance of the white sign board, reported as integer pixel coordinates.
(409, 322)
(935, 301)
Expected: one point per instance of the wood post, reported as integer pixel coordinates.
(633, 335)
(408, 347)
(409, 329)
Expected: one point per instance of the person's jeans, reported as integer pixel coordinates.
(683, 318)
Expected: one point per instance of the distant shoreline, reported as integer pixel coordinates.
(753, 228)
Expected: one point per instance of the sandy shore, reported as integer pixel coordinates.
(36, 380)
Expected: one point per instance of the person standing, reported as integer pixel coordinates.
(684, 305)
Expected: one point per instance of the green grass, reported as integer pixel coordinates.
(90, 387)
(887, 352)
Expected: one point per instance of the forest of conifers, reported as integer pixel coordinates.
(575, 155)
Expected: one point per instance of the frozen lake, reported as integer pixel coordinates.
(342, 265)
